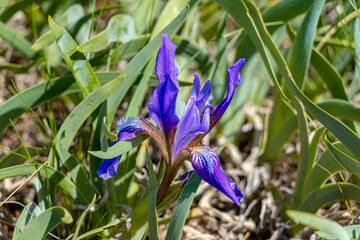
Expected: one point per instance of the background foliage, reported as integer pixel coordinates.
(70, 69)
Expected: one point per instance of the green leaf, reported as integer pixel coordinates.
(67, 19)
(341, 109)
(342, 132)
(79, 66)
(119, 148)
(21, 44)
(325, 225)
(113, 223)
(329, 193)
(28, 214)
(44, 223)
(82, 217)
(323, 169)
(19, 155)
(120, 28)
(345, 160)
(40, 190)
(300, 52)
(151, 208)
(182, 207)
(48, 172)
(353, 231)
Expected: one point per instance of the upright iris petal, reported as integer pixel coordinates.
(162, 105)
(129, 128)
(207, 164)
(196, 117)
(234, 82)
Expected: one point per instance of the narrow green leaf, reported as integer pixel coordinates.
(325, 225)
(323, 169)
(43, 203)
(79, 66)
(182, 207)
(82, 217)
(28, 214)
(119, 148)
(21, 44)
(100, 229)
(313, 147)
(345, 160)
(120, 28)
(45, 222)
(19, 156)
(151, 208)
(300, 52)
(329, 193)
(341, 109)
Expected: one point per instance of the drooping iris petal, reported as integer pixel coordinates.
(207, 164)
(129, 128)
(234, 82)
(162, 105)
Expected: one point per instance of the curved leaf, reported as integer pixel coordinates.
(120, 28)
(79, 66)
(44, 223)
(327, 226)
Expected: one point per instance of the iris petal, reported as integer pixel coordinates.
(129, 128)
(207, 165)
(162, 105)
(234, 82)
(196, 117)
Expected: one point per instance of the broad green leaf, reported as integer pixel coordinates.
(151, 208)
(82, 217)
(353, 231)
(19, 43)
(182, 207)
(47, 172)
(120, 28)
(44, 223)
(79, 66)
(29, 213)
(119, 148)
(323, 224)
(19, 156)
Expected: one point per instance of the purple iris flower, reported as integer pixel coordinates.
(178, 138)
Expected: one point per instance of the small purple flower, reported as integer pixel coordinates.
(179, 138)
